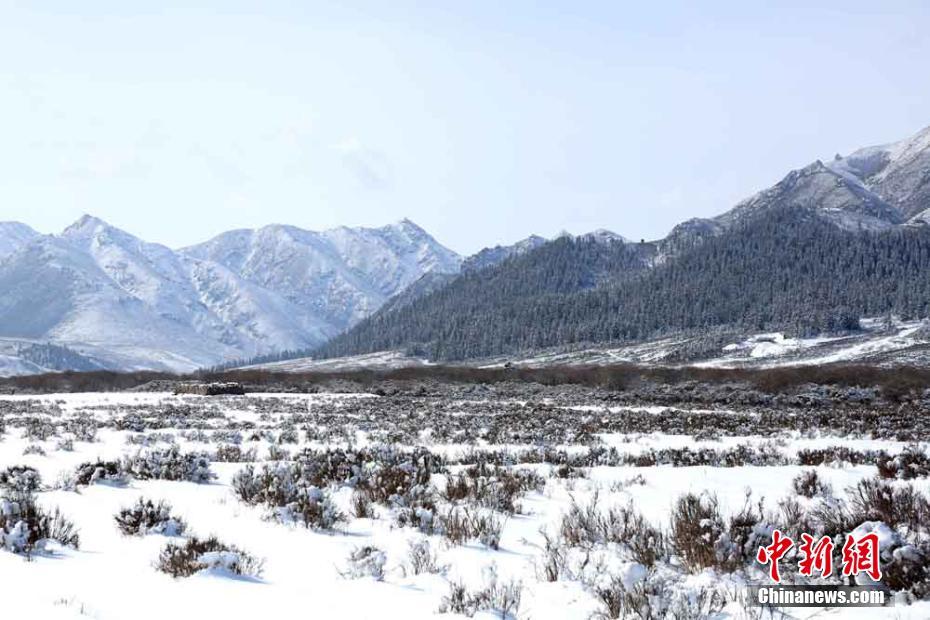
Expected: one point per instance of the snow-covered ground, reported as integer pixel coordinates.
(307, 572)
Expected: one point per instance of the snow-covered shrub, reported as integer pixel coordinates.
(417, 509)
(492, 486)
(808, 484)
(696, 528)
(150, 439)
(589, 525)
(39, 429)
(568, 472)
(20, 479)
(362, 506)
(421, 559)
(459, 525)
(636, 592)
(195, 555)
(84, 428)
(169, 464)
(313, 508)
(25, 527)
(233, 453)
(828, 515)
(898, 505)
(277, 453)
(366, 561)
(384, 471)
(226, 436)
(34, 448)
(621, 485)
(502, 599)
(905, 565)
(690, 457)
(291, 498)
(147, 517)
(65, 445)
(747, 530)
(620, 599)
(910, 463)
(108, 472)
(288, 436)
(812, 457)
(196, 435)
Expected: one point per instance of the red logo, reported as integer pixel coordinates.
(816, 556)
(860, 555)
(771, 554)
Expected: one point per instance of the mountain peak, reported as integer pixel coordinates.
(897, 172)
(85, 224)
(602, 235)
(409, 226)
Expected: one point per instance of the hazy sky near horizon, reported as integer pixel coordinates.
(483, 122)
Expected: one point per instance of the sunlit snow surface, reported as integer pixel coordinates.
(112, 576)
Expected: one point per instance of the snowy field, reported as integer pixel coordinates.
(360, 506)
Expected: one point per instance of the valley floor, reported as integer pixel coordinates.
(515, 480)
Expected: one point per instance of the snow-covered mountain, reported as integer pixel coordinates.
(499, 253)
(843, 200)
(873, 188)
(129, 304)
(899, 172)
(339, 276)
(13, 236)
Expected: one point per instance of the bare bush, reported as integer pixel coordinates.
(362, 506)
(422, 559)
(874, 499)
(169, 464)
(289, 497)
(25, 526)
(147, 517)
(808, 484)
(910, 463)
(195, 555)
(459, 525)
(109, 472)
(696, 526)
(233, 453)
(34, 448)
(366, 561)
(502, 599)
(589, 525)
(493, 486)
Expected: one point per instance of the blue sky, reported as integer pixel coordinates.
(483, 122)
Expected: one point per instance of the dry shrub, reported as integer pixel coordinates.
(459, 525)
(147, 517)
(696, 526)
(25, 526)
(422, 559)
(588, 525)
(808, 484)
(362, 506)
(500, 598)
(195, 555)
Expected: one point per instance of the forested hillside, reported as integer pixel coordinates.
(787, 268)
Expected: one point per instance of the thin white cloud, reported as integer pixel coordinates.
(370, 167)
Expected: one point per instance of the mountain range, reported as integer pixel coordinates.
(112, 300)
(829, 243)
